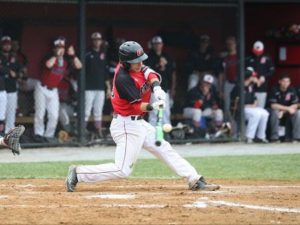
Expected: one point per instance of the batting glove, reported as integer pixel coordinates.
(158, 104)
(159, 93)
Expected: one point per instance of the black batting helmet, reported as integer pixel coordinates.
(131, 52)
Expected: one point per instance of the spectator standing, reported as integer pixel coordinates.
(11, 70)
(230, 74)
(202, 101)
(97, 77)
(256, 117)
(284, 106)
(200, 61)
(263, 66)
(46, 96)
(161, 62)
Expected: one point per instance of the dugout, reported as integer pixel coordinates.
(36, 22)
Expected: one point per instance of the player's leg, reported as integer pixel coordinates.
(194, 114)
(40, 110)
(98, 104)
(252, 115)
(129, 137)
(262, 125)
(274, 121)
(179, 165)
(52, 107)
(11, 107)
(89, 98)
(3, 100)
(296, 125)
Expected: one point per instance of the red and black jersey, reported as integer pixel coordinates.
(130, 89)
(52, 77)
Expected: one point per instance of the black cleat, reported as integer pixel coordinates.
(71, 180)
(202, 185)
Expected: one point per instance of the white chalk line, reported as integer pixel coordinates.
(150, 186)
(203, 202)
(56, 206)
(111, 196)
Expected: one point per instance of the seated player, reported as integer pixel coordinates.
(284, 106)
(11, 140)
(202, 102)
(256, 117)
(132, 85)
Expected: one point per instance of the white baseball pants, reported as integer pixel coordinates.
(11, 108)
(196, 114)
(3, 103)
(130, 137)
(94, 100)
(167, 111)
(45, 99)
(257, 122)
(261, 99)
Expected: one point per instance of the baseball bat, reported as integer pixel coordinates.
(159, 130)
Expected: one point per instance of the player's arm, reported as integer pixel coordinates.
(76, 61)
(50, 62)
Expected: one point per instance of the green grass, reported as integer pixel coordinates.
(263, 167)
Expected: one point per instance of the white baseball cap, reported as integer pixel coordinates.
(258, 45)
(96, 35)
(208, 78)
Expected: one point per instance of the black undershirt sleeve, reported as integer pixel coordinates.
(127, 89)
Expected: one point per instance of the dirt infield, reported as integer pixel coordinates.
(148, 202)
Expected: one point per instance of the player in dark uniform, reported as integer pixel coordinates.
(12, 69)
(162, 63)
(97, 77)
(132, 87)
(284, 105)
(263, 66)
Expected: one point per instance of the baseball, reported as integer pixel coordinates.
(167, 127)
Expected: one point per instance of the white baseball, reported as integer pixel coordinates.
(167, 128)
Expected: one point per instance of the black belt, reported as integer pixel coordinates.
(49, 88)
(131, 117)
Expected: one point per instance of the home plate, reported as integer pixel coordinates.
(111, 196)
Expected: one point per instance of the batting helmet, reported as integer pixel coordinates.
(131, 52)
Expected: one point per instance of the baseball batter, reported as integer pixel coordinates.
(132, 86)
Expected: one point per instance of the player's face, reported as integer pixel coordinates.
(136, 67)
(158, 47)
(6, 47)
(284, 83)
(97, 43)
(231, 45)
(205, 88)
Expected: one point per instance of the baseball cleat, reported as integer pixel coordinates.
(202, 185)
(12, 139)
(71, 180)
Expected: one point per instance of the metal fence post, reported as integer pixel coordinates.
(241, 52)
(81, 78)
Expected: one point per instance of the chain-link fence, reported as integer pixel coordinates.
(46, 53)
